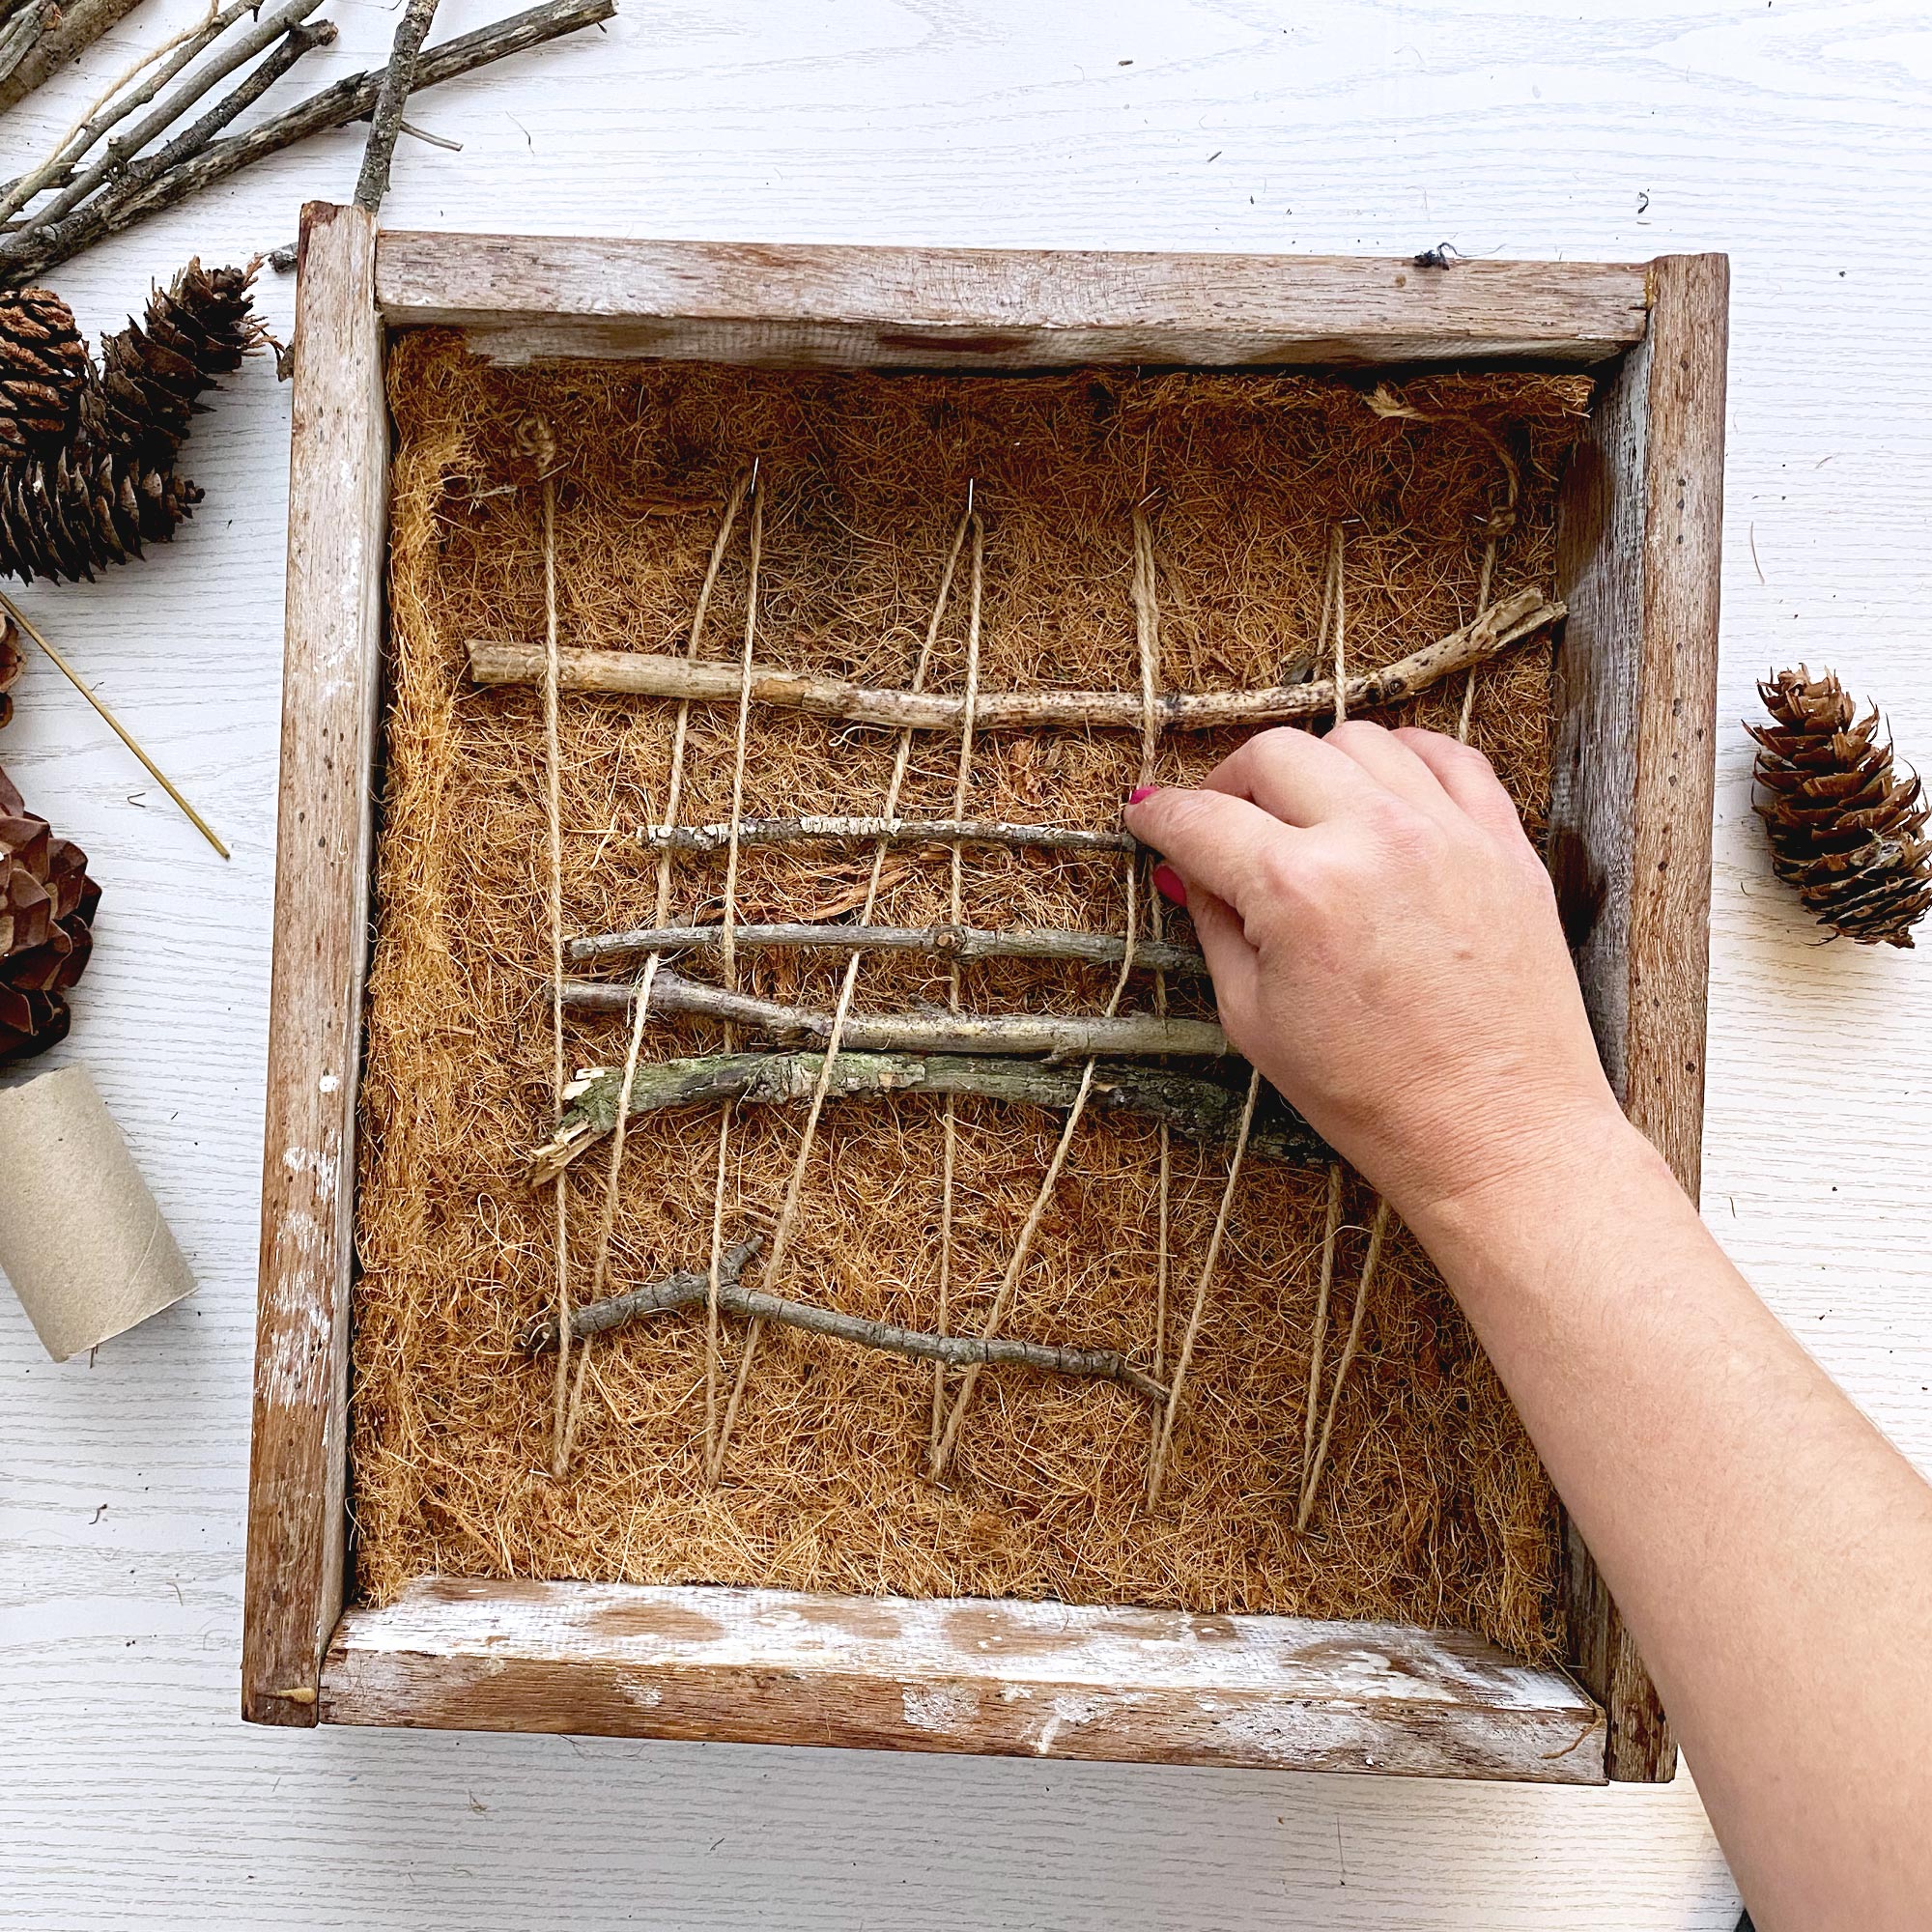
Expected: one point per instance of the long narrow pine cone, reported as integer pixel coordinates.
(46, 927)
(87, 471)
(1846, 830)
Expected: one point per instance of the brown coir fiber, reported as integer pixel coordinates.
(1434, 1508)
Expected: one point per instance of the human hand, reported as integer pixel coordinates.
(1385, 947)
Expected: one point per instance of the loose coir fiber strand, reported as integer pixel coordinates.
(1433, 1506)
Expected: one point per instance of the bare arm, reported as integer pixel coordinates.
(1385, 947)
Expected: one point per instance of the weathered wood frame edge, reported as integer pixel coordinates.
(1639, 534)
(355, 286)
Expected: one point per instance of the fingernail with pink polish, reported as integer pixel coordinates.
(1140, 792)
(1167, 883)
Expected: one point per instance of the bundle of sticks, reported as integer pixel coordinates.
(137, 152)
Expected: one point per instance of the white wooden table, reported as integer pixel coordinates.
(1797, 134)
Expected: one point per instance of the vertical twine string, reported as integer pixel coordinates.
(1377, 1228)
(955, 901)
(674, 802)
(969, 1379)
(537, 435)
(1331, 1230)
(941, 1455)
(1146, 626)
(730, 962)
(788, 1214)
(1315, 1456)
(1163, 1447)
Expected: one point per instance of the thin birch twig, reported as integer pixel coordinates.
(815, 830)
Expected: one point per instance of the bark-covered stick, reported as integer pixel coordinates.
(1063, 1035)
(688, 1291)
(348, 99)
(121, 149)
(60, 35)
(817, 831)
(941, 942)
(1201, 1107)
(647, 674)
(385, 119)
(78, 141)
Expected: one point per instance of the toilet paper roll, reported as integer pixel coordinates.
(81, 1239)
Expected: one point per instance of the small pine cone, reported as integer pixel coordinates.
(1845, 829)
(63, 515)
(44, 369)
(198, 328)
(47, 904)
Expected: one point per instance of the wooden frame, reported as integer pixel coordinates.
(1638, 543)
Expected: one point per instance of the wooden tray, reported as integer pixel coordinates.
(1640, 520)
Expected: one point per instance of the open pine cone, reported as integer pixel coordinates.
(1845, 829)
(46, 927)
(87, 457)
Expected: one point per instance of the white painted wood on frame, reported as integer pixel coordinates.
(1798, 136)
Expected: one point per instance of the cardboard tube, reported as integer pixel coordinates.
(81, 1239)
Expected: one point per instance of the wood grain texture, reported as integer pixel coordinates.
(1798, 137)
(1636, 678)
(783, 305)
(957, 1674)
(337, 496)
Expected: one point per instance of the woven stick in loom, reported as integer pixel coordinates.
(688, 1291)
(818, 831)
(1200, 1107)
(1063, 1035)
(835, 1030)
(649, 674)
(961, 943)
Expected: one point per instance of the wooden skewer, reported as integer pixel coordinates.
(120, 731)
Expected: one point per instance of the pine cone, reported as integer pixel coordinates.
(198, 328)
(13, 662)
(1845, 829)
(46, 918)
(44, 370)
(105, 484)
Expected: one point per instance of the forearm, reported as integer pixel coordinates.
(1772, 1553)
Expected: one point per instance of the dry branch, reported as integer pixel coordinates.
(817, 831)
(1077, 1035)
(690, 1290)
(1202, 1107)
(34, 247)
(963, 943)
(386, 120)
(61, 34)
(647, 674)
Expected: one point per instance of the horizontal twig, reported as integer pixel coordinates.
(1201, 1107)
(678, 1290)
(820, 830)
(648, 675)
(1059, 1036)
(941, 942)
(350, 98)
(686, 1289)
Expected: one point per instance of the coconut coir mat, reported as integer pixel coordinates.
(1433, 1508)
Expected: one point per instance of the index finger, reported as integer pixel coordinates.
(1212, 838)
